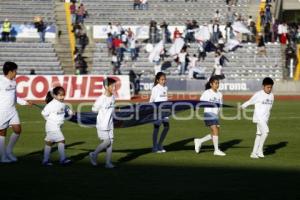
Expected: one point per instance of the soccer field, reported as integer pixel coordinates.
(178, 174)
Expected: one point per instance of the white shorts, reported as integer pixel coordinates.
(105, 134)
(262, 128)
(54, 136)
(8, 118)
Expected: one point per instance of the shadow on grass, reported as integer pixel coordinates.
(272, 148)
(176, 146)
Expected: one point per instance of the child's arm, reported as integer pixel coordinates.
(253, 100)
(153, 96)
(46, 112)
(97, 105)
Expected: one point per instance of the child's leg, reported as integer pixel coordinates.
(109, 153)
(155, 134)
(163, 134)
(61, 150)
(215, 136)
(105, 143)
(264, 129)
(2, 144)
(257, 140)
(47, 151)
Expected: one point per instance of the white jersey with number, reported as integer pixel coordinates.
(263, 103)
(159, 93)
(214, 97)
(54, 114)
(105, 107)
(8, 95)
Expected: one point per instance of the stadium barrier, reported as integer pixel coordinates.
(70, 33)
(78, 88)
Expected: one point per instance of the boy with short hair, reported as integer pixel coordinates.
(104, 106)
(263, 101)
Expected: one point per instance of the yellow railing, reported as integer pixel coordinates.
(70, 33)
(262, 5)
(297, 72)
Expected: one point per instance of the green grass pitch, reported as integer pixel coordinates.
(178, 174)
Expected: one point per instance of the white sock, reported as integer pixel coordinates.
(12, 141)
(47, 151)
(263, 138)
(215, 140)
(61, 151)
(2, 147)
(102, 146)
(205, 138)
(108, 154)
(256, 144)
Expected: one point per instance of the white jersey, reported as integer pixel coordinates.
(54, 114)
(263, 103)
(214, 97)
(8, 95)
(159, 93)
(105, 107)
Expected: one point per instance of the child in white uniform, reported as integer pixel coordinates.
(211, 118)
(159, 93)
(263, 102)
(105, 107)
(8, 112)
(54, 114)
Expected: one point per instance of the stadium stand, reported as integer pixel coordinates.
(29, 55)
(244, 63)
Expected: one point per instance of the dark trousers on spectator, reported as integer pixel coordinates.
(5, 36)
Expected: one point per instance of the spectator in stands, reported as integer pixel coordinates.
(144, 4)
(201, 51)
(80, 65)
(252, 28)
(136, 4)
(73, 12)
(192, 65)
(275, 31)
(262, 18)
(189, 33)
(229, 16)
(132, 48)
(268, 14)
(41, 28)
(115, 63)
(217, 16)
(153, 32)
(267, 32)
(283, 32)
(166, 35)
(182, 61)
(6, 28)
(176, 33)
(298, 35)
(229, 31)
(261, 46)
(250, 20)
(109, 44)
(218, 67)
(290, 54)
(215, 32)
(81, 13)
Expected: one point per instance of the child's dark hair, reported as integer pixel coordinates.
(157, 77)
(268, 81)
(9, 66)
(54, 91)
(108, 81)
(210, 81)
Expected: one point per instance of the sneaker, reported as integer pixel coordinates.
(260, 154)
(197, 145)
(5, 160)
(11, 157)
(65, 161)
(47, 163)
(161, 150)
(109, 166)
(254, 156)
(219, 153)
(93, 159)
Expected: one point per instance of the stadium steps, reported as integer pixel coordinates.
(28, 55)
